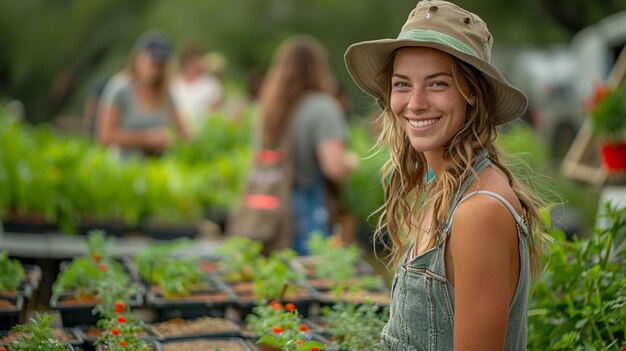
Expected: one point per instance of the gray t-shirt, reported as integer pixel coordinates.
(132, 114)
(318, 117)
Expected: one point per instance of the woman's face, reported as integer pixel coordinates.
(148, 69)
(425, 99)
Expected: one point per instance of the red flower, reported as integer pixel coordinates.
(304, 327)
(115, 331)
(119, 306)
(277, 329)
(276, 305)
(121, 319)
(299, 342)
(122, 342)
(95, 256)
(102, 267)
(290, 307)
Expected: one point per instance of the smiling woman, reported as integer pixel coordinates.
(474, 234)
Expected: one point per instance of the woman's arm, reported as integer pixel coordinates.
(180, 126)
(109, 133)
(484, 252)
(335, 160)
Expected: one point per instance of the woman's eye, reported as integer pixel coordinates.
(437, 84)
(400, 84)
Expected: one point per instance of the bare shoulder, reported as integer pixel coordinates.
(483, 219)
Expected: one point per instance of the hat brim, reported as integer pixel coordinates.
(367, 59)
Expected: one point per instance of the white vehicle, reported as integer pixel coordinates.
(559, 78)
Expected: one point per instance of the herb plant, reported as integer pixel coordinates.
(240, 256)
(280, 326)
(580, 301)
(39, 336)
(273, 277)
(355, 327)
(11, 272)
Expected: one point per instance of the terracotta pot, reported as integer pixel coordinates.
(614, 156)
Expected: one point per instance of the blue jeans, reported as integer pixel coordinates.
(310, 214)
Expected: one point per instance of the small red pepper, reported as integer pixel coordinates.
(121, 319)
(115, 331)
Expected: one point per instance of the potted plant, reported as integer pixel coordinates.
(11, 303)
(280, 327)
(75, 291)
(354, 327)
(177, 286)
(37, 336)
(608, 117)
(273, 279)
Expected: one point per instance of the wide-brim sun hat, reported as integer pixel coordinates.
(446, 27)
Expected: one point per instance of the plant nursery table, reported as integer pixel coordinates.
(60, 246)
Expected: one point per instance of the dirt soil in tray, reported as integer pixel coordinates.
(179, 327)
(59, 334)
(6, 304)
(203, 345)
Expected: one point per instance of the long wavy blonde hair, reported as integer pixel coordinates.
(405, 192)
(300, 65)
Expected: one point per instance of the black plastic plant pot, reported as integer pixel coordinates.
(74, 312)
(204, 327)
(115, 227)
(10, 315)
(73, 338)
(153, 345)
(27, 222)
(231, 344)
(199, 304)
(161, 231)
(89, 334)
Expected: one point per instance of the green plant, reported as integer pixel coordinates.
(11, 272)
(120, 333)
(39, 336)
(240, 256)
(281, 327)
(175, 275)
(85, 272)
(608, 113)
(355, 327)
(153, 258)
(273, 277)
(580, 301)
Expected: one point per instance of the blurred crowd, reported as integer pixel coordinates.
(140, 110)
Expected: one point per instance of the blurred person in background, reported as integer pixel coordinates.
(197, 92)
(295, 96)
(136, 108)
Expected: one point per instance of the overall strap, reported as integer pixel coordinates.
(481, 162)
(519, 220)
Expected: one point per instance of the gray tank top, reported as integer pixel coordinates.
(422, 299)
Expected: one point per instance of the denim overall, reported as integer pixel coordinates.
(310, 214)
(422, 299)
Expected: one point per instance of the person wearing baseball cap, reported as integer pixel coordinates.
(467, 241)
(137, 108)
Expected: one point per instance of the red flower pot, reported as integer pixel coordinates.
(614, 156)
